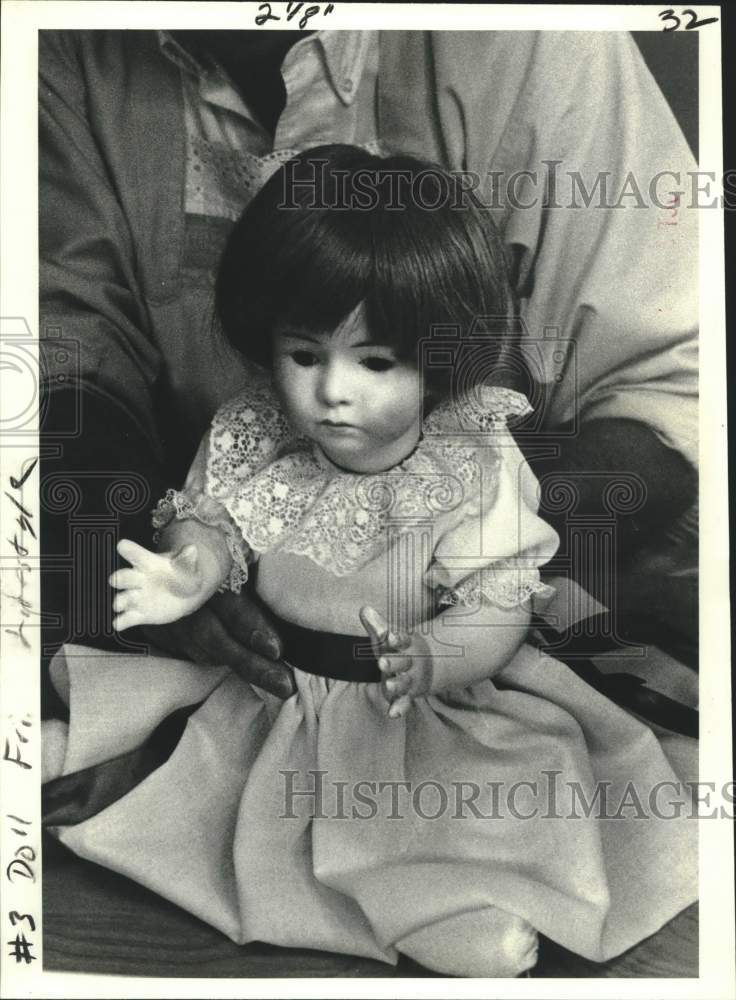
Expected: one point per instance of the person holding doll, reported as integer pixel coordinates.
(370, 491)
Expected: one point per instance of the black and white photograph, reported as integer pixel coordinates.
(365, 598)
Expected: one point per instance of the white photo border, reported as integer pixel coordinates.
(20, 682)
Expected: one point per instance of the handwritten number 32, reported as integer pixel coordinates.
(669, 15)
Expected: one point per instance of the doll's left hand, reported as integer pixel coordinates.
(403, 659)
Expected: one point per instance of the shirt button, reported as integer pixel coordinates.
(348, 85)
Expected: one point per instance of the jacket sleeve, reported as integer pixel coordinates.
(603, 234)
(90, 296)
(569, 141)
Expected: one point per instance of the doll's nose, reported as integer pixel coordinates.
(334, 385)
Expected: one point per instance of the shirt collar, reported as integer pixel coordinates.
(345, 54)
(178, 54)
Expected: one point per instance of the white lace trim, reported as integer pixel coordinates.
(176, 505)
(281, 494)
(269, 489)
(504, 584)
(484, 409)
(221, 179)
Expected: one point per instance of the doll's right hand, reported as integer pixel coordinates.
(160, 587)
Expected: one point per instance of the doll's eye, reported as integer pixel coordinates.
(378, 364)
(305, 359)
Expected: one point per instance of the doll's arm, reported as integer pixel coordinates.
(164, 586)
(414, 664)
(489, 637)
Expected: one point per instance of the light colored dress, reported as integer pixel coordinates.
(519, 795)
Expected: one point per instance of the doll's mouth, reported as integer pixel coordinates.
(337, 425)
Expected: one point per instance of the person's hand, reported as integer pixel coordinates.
(403, 659)
(229, 629)
(159, 587)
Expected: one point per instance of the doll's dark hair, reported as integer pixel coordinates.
(337, 226)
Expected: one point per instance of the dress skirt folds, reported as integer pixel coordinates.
(319, 822)
(525, 802)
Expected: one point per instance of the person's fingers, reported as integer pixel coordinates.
(277, 678)
(273, 676)
(126, 579)
(136, 555)
(211, 642)
(181, 638)
(203, 638)
(193, 637)
(400, 707)
(129, 619)
(247, 622)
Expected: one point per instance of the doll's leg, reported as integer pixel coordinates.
(477, 943)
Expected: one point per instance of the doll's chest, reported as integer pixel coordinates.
(296, 588)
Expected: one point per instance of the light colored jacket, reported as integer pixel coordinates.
(608, 294)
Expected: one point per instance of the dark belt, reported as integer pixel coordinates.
(75, 797)
(327, 654)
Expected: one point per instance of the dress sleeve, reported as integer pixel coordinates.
(194, 501)
(247, 433)
(496, 548)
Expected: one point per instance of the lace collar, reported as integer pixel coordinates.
(282, 494)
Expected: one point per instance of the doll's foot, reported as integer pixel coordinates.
(488, 943)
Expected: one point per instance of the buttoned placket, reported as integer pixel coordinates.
(329, 79)
(311, 85)
(311, 115)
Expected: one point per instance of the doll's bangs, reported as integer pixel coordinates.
(321, 275)
(308, 251)
(340, 261)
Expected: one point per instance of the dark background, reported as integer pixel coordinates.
(672, 59)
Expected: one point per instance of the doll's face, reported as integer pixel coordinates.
(353, 397)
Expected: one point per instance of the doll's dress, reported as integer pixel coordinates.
(318, 821)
